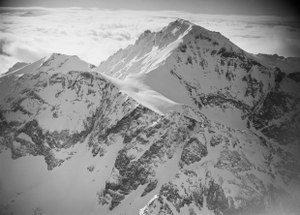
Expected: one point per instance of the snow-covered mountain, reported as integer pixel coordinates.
(181, 122)
(187, 64)
(191, 65)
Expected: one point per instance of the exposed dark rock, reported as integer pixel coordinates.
(171, 192)
(122, 160)
(295, 76)
(33, 130)
(275, 105)
(116, 199)
(234, 161)
(216, 140)
(216, 199)
(286, 133)
(183, 48)
(150, 186)
(193, 151)
(279, 75)
(165, 210)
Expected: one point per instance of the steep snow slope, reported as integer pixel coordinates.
(145, 95)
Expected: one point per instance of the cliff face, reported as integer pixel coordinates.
(181, 122)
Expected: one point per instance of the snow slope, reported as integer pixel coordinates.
(181, 122)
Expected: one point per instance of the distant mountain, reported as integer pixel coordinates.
(287, 65)
(181, 122)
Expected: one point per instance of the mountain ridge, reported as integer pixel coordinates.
(101, 139)
(190, 57)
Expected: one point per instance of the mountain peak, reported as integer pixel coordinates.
(64, 63)
(153, 48)
(182, 22)
(177, 27)
(168, 34)
(55, 62)
(58, 57)
(184, 56)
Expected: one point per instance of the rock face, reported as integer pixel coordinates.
(223, 138)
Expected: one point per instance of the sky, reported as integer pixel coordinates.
(94, 30)
(244, 7)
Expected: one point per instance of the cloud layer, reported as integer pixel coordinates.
(28, 34)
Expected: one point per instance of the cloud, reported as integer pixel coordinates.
(26, 12)
(3, 44)
(248, 36)
(28, 34)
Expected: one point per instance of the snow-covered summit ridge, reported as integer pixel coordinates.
(148, 52)
(178, 27)
(64, 63)
(55, 62)
(143, 56)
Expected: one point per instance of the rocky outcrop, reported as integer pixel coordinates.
(193, 151)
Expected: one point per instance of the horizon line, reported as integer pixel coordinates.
(149, 10)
